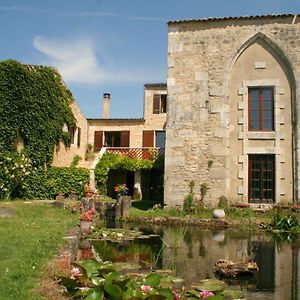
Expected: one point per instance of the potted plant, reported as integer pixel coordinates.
(121, 190)
(295, 207)
(86, 220)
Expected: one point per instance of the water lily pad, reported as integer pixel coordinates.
(235, 294)
(211, 285)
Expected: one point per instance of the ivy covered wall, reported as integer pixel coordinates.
(34, 106)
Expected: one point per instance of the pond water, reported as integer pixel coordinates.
(192, 253)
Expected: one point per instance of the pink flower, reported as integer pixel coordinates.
(145, 288)
(75, 273)
(206, 294)
(177, 296)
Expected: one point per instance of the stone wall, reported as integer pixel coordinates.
(63, 156)
(211, 64)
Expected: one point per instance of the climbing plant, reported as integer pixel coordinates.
(34, 106)
(110, 161)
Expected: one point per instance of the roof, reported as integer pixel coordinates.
(162, 84)
(233, 18)
(117, 119)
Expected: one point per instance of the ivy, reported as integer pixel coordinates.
(110, 161)
(34, 105)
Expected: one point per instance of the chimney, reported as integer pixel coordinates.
(105, 107)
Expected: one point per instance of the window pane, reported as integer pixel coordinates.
(254, 124)
(254, 95)
(268, 114)
(160, 139)
(268, 124)
(267, 94)
(254, 105)
(268, 105)
(254, 115)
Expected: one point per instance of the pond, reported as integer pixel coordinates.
(192, 253)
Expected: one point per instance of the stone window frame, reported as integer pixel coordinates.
(245, 134)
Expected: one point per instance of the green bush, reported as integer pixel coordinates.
(34, 186)
(188, 203)
(65, 180)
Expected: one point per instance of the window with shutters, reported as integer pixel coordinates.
(116, 138)
(159, 103)
(261, 109)
(261, 187)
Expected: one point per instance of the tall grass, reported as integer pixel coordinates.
(27, 241)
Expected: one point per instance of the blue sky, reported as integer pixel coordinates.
(109, 46)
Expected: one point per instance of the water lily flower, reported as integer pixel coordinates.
(75, 273)
(145, 289)
(119, 234)
(177, 296)
(206, 294)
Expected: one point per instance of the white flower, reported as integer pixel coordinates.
(119, 234)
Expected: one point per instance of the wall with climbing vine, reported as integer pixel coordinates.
(34, 106)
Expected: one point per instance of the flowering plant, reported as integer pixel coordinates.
(295, 206)
(88, 215)
(15, 168)
(121, 189)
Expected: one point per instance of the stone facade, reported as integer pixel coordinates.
(212, 66)
(63, 156)
(85, 130)
(150, 122)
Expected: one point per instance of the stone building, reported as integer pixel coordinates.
(233, 106)
(132, 137)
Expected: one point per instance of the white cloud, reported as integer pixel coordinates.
(77, 62)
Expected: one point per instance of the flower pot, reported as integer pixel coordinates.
(85, 226)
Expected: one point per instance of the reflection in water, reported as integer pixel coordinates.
(192, 254)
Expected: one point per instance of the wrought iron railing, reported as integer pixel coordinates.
(148, 153)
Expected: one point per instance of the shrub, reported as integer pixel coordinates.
(188, 203)
(15, 168)
(65, 180)
(223, 202)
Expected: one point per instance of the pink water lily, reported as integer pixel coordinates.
(177, 296)
(206, 294)
(75, 273)
(145, 288)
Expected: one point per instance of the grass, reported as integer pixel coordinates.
(28, 241)
(245, 215)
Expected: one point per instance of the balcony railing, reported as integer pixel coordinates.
(138, 153)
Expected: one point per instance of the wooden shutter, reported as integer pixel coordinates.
(78, 136)
(148, 138)
(125, 138)
(156, 104)
(98, 140)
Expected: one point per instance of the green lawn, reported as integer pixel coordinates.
(27, 242)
